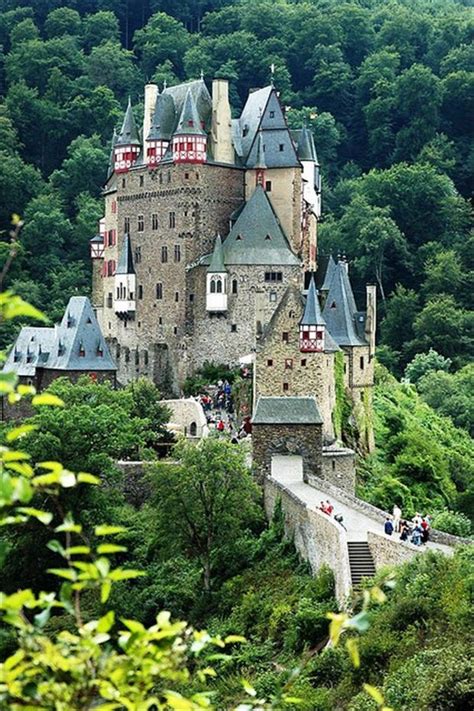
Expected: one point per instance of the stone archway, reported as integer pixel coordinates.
(287, 466)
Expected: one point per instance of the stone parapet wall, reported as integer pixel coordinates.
(317, 538)
(387, 551)
(377, 514)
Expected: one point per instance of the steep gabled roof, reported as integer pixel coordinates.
(200, 94)
(278, 145)
(256, 237)
(189, 121)
(251, 116)
(287, 411)
(340, 310)
(125, 262)
(163, 119)
(128, 133)
(217, 262)
(312, 311)
(306, 150)
(58, 348)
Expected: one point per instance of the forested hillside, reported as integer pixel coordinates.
(386, 87)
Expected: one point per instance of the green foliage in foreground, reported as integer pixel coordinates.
(422, 461)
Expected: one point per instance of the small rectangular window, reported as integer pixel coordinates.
(284, 336)
(109, 300)
(154, 221)
(172, 219)
(268, 186)
(282, 147)
(164, 254)
(175, 330)
(177, 253)
(191, 297)
(186, 176)
(271, 114)
(140, 223)
(286, 387)
(303, 362)
(269, 362)
(138, 254)
(126, 225)
(124, 182)
(159, 291)
(361, 362)
(233, 327)
(142, 181)
(176, 295)
(140, 291)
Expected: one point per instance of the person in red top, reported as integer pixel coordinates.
(220, 426)
(329, 507)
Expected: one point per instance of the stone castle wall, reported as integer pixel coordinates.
(338, 467)
(317, 538)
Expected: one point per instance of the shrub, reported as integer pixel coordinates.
(424, 363)
(452, 522)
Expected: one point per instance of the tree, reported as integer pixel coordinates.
(83, 170)
(402, 308)
(444, 274)
(110, 65)
(450, 394)
(19, 182)
(444, 326)
(424, 363)
(209, 499)
(161, 39)
(100, 27)
(63, 21)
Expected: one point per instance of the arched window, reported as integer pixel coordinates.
(219, 286)
(234, 286)
(193, 429)
(213, 286)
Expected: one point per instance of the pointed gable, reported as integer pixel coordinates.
(330, 270)
(80, 331)
(340, 309)
(128, 133)
(278, 146)
(256, 237)
(250, 118)
(312, 311)
(125, 262)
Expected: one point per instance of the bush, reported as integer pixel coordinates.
(452, 522)
(424, 363)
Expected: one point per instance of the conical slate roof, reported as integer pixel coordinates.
(128, 133)
(189, 121)
(217, 262)
(163, 119)
(256, 237)
(125, 262)
(312, 311)
(340, 309)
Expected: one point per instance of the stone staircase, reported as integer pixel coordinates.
(360, 561)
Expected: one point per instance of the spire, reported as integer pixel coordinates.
(128, 133)
(162, 120)
(217, 265)
(189, 121)
(330, 269)
(125, 262)
(312, 311)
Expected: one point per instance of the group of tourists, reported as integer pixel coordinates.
(417, 531)
(218, 407)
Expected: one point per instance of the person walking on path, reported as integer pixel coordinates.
(416, 536)
(388, 526)
(397, 514)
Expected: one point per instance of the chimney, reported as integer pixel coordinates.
(371, 317)
(221, 131)
(151, 92)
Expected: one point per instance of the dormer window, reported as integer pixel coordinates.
(82, 350)
(272, 114)
(267, 237)
(333, 305)
(100, 351)
(70, 321)
(239, 237)
(16, 356)
(191, 123)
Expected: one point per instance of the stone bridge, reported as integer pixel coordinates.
(358, 548)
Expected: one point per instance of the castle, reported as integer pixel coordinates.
(208, 219)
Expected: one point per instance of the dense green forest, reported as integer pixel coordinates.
(386, 87)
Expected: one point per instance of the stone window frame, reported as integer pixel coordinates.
(159, 291)
(154, 221)
(176, 296)
(177, 253)
(286, 387)
(140, 223)
(361, 362)
(172, 219)
(235, 286)
(268, 186)
(142, 180)
(126, 225)
(164, 254)
(270, 277)
(269, 362)
(233, 328)
(140, 291)
(285, 336)
(303, 362)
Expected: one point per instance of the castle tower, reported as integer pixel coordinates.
(127, 146)
(311, 202)
(189, 139)
(312, 324)
(96, 245)
(125, 282)
(216, 280)
(151, 93)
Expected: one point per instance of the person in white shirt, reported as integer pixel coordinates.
(397, 514)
